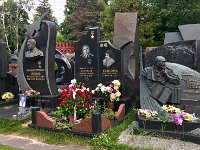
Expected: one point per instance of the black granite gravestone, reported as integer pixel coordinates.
(63, 74)
(86, 58)
(3, 67)
(110, 63)
(36, 59)
(183, 53)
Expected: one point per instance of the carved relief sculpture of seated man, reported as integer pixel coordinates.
(33, 50)
(161, 80)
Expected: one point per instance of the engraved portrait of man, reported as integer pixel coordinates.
(86, 56)
(33, 50)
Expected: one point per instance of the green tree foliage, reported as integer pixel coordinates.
(68, 12)
(173, 13)
(147, 22)
(44, 7)
(86, 15)
(13, 22)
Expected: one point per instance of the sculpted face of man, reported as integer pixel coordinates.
(160, 61)
(31, 44)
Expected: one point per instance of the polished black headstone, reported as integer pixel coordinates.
(64, 72)
(3, 60)
(86, 57)
(3, 68)
(183, 53)
(38, 72)
(110, 63)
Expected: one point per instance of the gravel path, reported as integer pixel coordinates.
(154, 142)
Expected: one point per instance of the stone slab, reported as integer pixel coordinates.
(190, 31)
(43, 120)
(172, 37)
(125, 28)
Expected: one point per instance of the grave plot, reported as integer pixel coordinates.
(169, 92)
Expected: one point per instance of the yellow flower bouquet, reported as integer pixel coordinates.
(7, 96)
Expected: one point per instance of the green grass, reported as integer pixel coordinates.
(4, 147)
(107, 140)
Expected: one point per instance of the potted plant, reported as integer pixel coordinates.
(7, 96)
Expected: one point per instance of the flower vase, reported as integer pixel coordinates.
(31, 102)
(70, 118)
(110, 105)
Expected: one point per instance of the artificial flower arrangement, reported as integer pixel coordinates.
(111, 92)
(32, 94)
(175, 114)
(75, 100)
(8, 96)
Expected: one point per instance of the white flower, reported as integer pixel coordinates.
(73, 82)
(93, 91)
(100, 85)
(88, 89)
(103, 89)
(74, 95)
(112, 97)
(116, 83)
(118, 94)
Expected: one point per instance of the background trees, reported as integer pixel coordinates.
(13, 22)
(44, 7)
(80, 17)
(156, 18)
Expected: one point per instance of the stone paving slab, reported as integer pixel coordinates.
(30, 144)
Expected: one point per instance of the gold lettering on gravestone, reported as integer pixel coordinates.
(110, 73)
(86, 72)
(35, 74)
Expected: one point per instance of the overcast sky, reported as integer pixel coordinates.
(58, 8)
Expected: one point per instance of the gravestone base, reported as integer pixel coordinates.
(48, 101)
(186, 132)
(13, 113)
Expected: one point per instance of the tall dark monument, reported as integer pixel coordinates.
(3, 67)
(36, 59)
(86, 57)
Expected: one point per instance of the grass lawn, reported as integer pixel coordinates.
(107, 140)
(4, 147)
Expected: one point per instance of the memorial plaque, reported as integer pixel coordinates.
(36, 59)
(86, 58)
(110, 63)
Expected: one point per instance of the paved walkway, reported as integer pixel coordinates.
(29, 144)
(147, 141)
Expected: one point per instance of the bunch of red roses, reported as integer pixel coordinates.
(76, 98)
